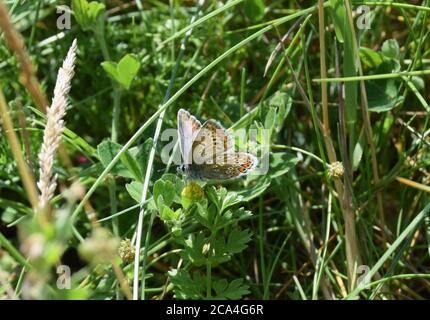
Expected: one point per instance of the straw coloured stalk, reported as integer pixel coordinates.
(54, 128)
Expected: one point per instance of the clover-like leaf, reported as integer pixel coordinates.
(134, 189)
(166, 189)
(124, 71)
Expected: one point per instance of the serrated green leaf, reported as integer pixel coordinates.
(193, 250)
(237, 240)
(234, 290)
(187, 287)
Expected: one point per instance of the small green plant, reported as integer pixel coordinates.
(87, 13)
(212, 237)
(124, 71)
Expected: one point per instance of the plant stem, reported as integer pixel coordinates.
(116, 96)
(261, 241)
(33, 29)
(24, 170)
(208, 280)
(323, 68)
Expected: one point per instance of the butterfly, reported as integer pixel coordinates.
(207, 151)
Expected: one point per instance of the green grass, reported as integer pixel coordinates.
(298, 232)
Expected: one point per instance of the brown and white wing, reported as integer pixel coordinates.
(229, 166)
(211, 141)
(188, 128)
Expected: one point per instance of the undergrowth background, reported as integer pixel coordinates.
(342, 211)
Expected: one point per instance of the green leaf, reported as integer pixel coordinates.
(9, 215)
(269, 121)
(187, 287)
(111, 69)
(383, 95)
(128, 167)
(86, 14)
(370, 57)
(124, 71)
(254, 9)
(168, 214)
(166, 189)
(337, 10)
(193, 249)
(237, 240)
(128, 67)
(281, 163)
(234, 290)
(391, 49)
(247, 194)
(134, 189)
(141, 154)
(206, 215)
(282, 102)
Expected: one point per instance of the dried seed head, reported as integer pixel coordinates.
(335, 169)
(126, 251)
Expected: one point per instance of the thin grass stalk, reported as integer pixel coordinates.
(25, 134)
(367, 124)
(419, 218)
(323, 67)
(380, 76)
(24, 170)
(343, 132)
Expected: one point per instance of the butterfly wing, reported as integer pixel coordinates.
(211, 141)
(229, 166)
(188, 128)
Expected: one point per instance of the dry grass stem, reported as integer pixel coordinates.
(15, 43)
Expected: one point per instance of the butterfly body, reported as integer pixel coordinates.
(207, 151)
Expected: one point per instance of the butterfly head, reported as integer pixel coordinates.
(181, 169)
